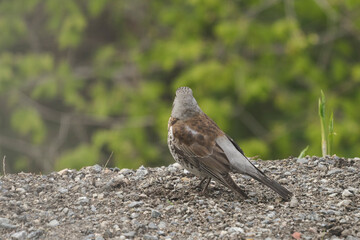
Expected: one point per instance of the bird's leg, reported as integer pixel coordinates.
(206, 186)
(201, 182)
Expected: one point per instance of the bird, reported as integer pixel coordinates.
(197, 143)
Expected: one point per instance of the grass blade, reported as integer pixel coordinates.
(331, 134)
(323, 124)
(303, 152)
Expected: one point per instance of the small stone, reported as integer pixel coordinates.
(115, 169)
(155, 214)
(296, 235)
(134, 215)
(149, 237)
(294, 202)
(324, 180)
(223, 233)
(346, 232)
(336, 230)
(129, 234)
(35, 234)
(152, 225)
(82, 200)
(53, 223)
(346, 202)
(321, 167)
(62, 190)
(19, 235)
(352, 237)
(162, 225)
(141, 172)
(271, 214)
(64, 171)
(96, 168)
(135, 204)
(5, 223)
(236, 230)
(93, 208)
(116, 227)
(104, 224)
(98, 237)
(20, 190)
(116, 182)
(347, 193)
(270, 207)
(125, 171)
(302, 160)
(334, 171)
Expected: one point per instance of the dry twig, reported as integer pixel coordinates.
(107, 161)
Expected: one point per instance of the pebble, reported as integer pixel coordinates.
(64, 171)
(294, 202)
(223, 233)
(129, 234)
(19, 235)
(149, 237)
(302, 160)
(155, 214)
(321, 167)
(93, 208)
(82, 200)
(334, 171)
(96, 168)
(126, 171)
(53, 223)
(162, 225)
(344, 203)
(20, 190)
(98, 236)
(116, 182)
(62, 190)
(5, 223)
(35, 234)
(235, 229)
(347, 193)
(141, 172)
(135, 204)
(152, 225)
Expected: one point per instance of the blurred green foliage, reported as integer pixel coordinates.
(81, 79)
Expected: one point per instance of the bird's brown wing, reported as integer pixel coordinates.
(199, 147)
(201, 151)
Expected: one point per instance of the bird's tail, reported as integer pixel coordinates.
(261, 177)
(229, 182)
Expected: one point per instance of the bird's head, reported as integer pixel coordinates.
(185, 105)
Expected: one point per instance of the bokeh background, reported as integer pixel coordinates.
(83, 80)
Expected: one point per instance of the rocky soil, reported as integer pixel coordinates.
(163, 203)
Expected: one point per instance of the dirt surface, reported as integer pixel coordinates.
(163, 203)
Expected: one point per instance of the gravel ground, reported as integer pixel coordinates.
(163, 203)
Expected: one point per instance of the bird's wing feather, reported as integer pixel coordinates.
(241, 164)
(199, 148)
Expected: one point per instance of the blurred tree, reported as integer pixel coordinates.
(81, 79)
